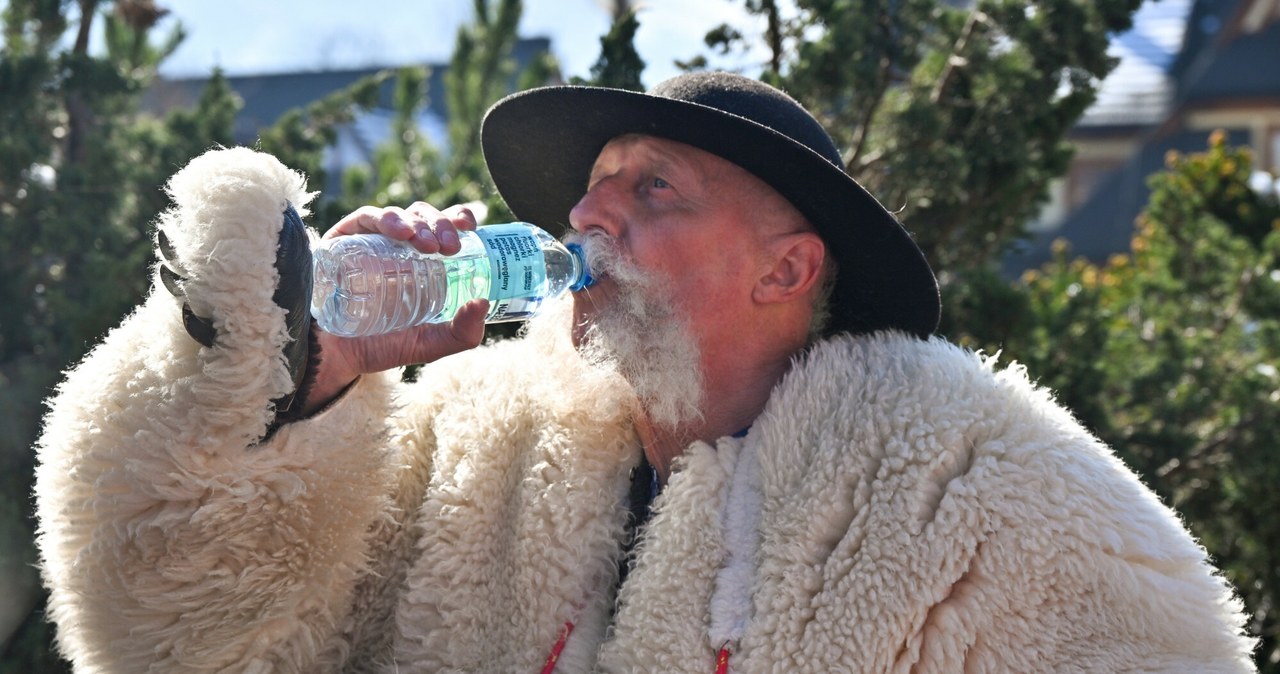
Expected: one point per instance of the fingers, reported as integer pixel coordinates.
(422, 225)
(440, 228)
(459, 215)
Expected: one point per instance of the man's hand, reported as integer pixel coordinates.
(343, 359)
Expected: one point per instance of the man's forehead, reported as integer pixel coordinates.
(673, 154)
(713, 174)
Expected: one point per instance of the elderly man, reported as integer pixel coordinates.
(739, 450)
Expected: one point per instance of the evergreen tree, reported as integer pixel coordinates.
(619, 65)
(409, 167)
(78, 188)
(480, 72)
(1170, 354)
(81, 182)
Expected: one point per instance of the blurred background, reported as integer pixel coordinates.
(1095, 182)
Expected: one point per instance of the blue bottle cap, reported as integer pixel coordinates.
(585, 279)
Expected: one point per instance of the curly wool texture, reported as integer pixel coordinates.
(522, 515)
(224, 226)
(168, 542)
(924, 512)
(918, 509)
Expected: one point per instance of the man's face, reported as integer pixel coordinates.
(676, 253)
(681, 216)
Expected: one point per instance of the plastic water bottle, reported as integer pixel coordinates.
(367, 284)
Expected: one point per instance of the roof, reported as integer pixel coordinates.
(1221, 41)
(1226, 57)
(268, 96)
(1140, 89)
(1104, 225)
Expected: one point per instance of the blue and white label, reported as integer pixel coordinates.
(517, 271)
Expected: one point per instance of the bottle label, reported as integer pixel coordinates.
(517, 269)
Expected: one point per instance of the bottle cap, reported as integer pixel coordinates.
(585, 279)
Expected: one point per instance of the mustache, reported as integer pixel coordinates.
(605, 259)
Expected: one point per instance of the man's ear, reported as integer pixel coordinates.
(797, 264)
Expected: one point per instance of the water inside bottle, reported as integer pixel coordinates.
(368, 284)
(467, 280)
(367, 292)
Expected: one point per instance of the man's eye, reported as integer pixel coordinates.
(659, 182)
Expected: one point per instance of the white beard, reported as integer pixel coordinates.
(640, 335)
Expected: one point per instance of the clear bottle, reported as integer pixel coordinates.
(367, 284)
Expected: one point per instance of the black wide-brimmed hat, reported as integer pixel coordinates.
(540, 146)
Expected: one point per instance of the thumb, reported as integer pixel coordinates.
(466, 330)
(433, 341)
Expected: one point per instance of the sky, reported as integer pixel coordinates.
(254, 37)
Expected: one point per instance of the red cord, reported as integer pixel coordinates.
(722, 661)
(557, 649)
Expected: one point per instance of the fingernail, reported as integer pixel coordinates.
(449, 237)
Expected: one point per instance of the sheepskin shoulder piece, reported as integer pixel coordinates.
(920, 510)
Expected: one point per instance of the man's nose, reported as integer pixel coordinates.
(598, 209)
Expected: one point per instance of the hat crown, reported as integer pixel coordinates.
(753, 100)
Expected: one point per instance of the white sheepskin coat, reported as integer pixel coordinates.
(900, 506)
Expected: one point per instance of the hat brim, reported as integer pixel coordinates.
(540, 146)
